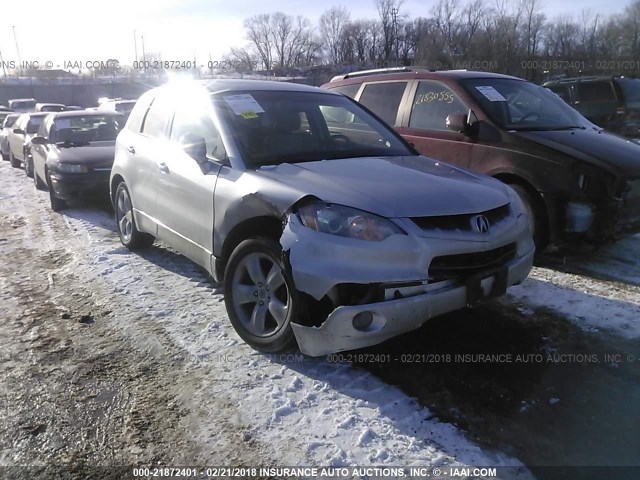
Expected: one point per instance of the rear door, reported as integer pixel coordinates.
(185, 189)
(430, 102)
(138, 144)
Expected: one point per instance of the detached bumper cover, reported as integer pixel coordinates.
(70, 185)
(319, 263)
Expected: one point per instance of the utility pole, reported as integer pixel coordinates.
(144, 58)
(135, 46)
(15, 39)
(394, 16)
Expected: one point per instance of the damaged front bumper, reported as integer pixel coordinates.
(320, 262)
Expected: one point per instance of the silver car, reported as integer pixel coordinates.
(7, 125)
(323, 225)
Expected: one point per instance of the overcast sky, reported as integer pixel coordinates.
(79, 30)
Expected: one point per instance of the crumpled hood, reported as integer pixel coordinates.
(597, 147)
(393, 186)
(94, 155)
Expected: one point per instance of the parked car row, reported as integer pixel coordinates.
(577, 182)
(68, 153)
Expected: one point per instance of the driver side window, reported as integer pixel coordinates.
(432, 104)
(199, 123)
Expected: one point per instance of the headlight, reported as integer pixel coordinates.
(346, 222)
(71, 168)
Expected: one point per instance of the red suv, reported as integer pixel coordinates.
(577, 181)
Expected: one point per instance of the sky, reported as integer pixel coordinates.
(78, 31)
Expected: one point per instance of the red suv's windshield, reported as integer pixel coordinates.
(519, 105)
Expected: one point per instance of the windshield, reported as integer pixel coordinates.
(10, 120)
(631, 89)
(52, 108)
(519, 105)
(273, 127)
(82, 130)
(22, 104)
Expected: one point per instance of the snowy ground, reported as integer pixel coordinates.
(111, 357)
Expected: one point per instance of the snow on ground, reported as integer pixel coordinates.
(591, 303)
(312, 411)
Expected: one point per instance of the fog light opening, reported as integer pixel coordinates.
(362, 320)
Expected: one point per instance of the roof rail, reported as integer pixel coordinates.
(375, 71)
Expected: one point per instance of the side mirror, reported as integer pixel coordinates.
(39, 141)
(18, 131)
(194, 146)
(456, 122)
(466, 124)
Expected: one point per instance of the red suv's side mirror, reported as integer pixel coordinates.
(463, 123)
(456, 122)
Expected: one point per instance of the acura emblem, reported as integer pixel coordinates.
(480, 223)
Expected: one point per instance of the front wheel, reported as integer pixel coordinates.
(130, 236)
(40, 185)
(260, 297)
(28, 166)
(537, 217)
(15, 163)
(57, 204)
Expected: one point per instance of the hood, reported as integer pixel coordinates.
(597, 147)
(98, 154)
(393, 186)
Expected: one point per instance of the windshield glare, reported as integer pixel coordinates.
(519, 105)
(84, 129)
(273, 127)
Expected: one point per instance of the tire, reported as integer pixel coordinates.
(57, 204)
(40, 185)
(130, 236)
(256, 285)
(537, 217)
(15, 163)
(5, 157)
(28, 167)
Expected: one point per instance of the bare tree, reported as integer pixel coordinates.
(258, 32)
(389, 12)
(333, 24)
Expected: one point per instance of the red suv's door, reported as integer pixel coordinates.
(430, 102)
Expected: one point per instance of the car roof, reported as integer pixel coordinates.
(594, 78)
(243, 85)
(84, 113)
(22, 99)
(36, 114)
(47, 103)
(408, 73)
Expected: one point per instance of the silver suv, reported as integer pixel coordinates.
(323, 225)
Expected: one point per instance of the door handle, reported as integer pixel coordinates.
(131, 149)
(163, 167)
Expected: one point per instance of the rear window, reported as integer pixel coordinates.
(383, 99)
(595, 92)
(348, 90)
(630, 88)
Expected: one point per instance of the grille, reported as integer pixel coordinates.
(460, 222)
(448, 267)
